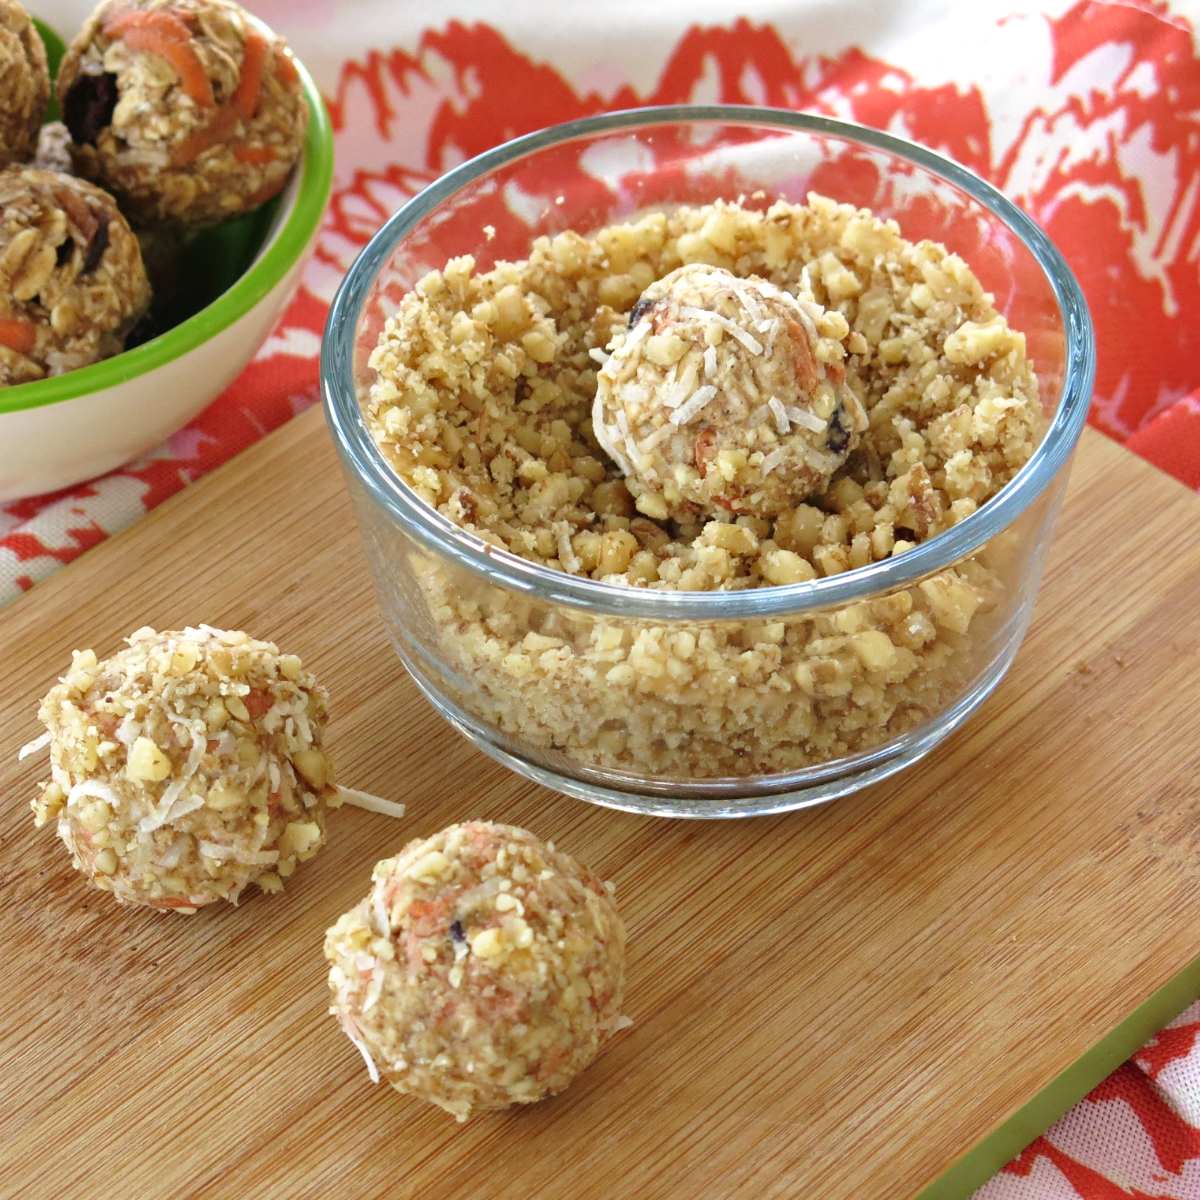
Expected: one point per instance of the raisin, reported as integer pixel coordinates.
(457, 932)
(88, 106)
(97, 244)
(639, 310)
(839, 435)
(62, 255)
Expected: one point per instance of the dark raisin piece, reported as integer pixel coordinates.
(96, 247)
(839, 434)
(638, 311)
(88, 106)
(457, 932)
(62, 255)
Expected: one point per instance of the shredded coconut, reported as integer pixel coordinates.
(38, 743)
(804, 418)
(375, 804)
(782, 424)
(691, 407)
(731, 327)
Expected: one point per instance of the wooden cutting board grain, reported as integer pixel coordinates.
(836, 1003)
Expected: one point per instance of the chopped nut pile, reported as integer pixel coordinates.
(483, 403)
(484, 968)
(189, 111)
(187, 766)
(72, 283)
(24, 84)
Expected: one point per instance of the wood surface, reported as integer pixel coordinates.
(835, 1003)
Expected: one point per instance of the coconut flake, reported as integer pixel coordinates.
(656, 438)
(693, 405)
(619, 1023)
(710, 361)
(597, 355)
(372, 1069)
(376, 804)
(94, 788)
(38, 743)
(782, 424)
(374, 988)
(731, 327)
(772, 460)
(171, 856)
(805, 419)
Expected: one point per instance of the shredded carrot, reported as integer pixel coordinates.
(254, 155)
(245, 97)
(17, 335)
(165, 34)
(285, 67)
(216, 131)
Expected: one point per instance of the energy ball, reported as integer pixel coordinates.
(187, 766)
(188, 111)
(726, 395)
(24, 84)
(72, 283)
(484, 968)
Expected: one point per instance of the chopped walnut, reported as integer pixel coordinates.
(483, 403)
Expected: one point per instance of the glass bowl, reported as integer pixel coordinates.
(574, 682)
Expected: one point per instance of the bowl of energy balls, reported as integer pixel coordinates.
(706, 458)
(163, 171)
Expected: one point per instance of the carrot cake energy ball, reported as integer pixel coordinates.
(189, 111)
(187, 766)
(72, 283)
(24, 84)
(485, 968)
(726, 394)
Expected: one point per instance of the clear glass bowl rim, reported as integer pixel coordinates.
(448, 541)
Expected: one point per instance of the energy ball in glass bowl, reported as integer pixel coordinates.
(187, 766)
(72, 283)
(484, 968)
(24, 84)
(188, 111)
(726, 395)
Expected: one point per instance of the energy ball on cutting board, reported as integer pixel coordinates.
(72, 283)
(24, 84)
(485, 968)
(187, 766)
(726, 395)
(189, 111)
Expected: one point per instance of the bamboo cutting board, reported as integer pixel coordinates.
(839, 1003)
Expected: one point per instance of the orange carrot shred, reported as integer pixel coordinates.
(17, 335)
(246, 96)
(254, 155)
(194, 145)
(164, 33)
(285, 67)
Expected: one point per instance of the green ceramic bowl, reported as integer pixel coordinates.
(239, 277)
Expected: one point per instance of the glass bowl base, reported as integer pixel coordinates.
(746, 796)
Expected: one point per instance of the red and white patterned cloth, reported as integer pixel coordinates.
(1086, 113)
